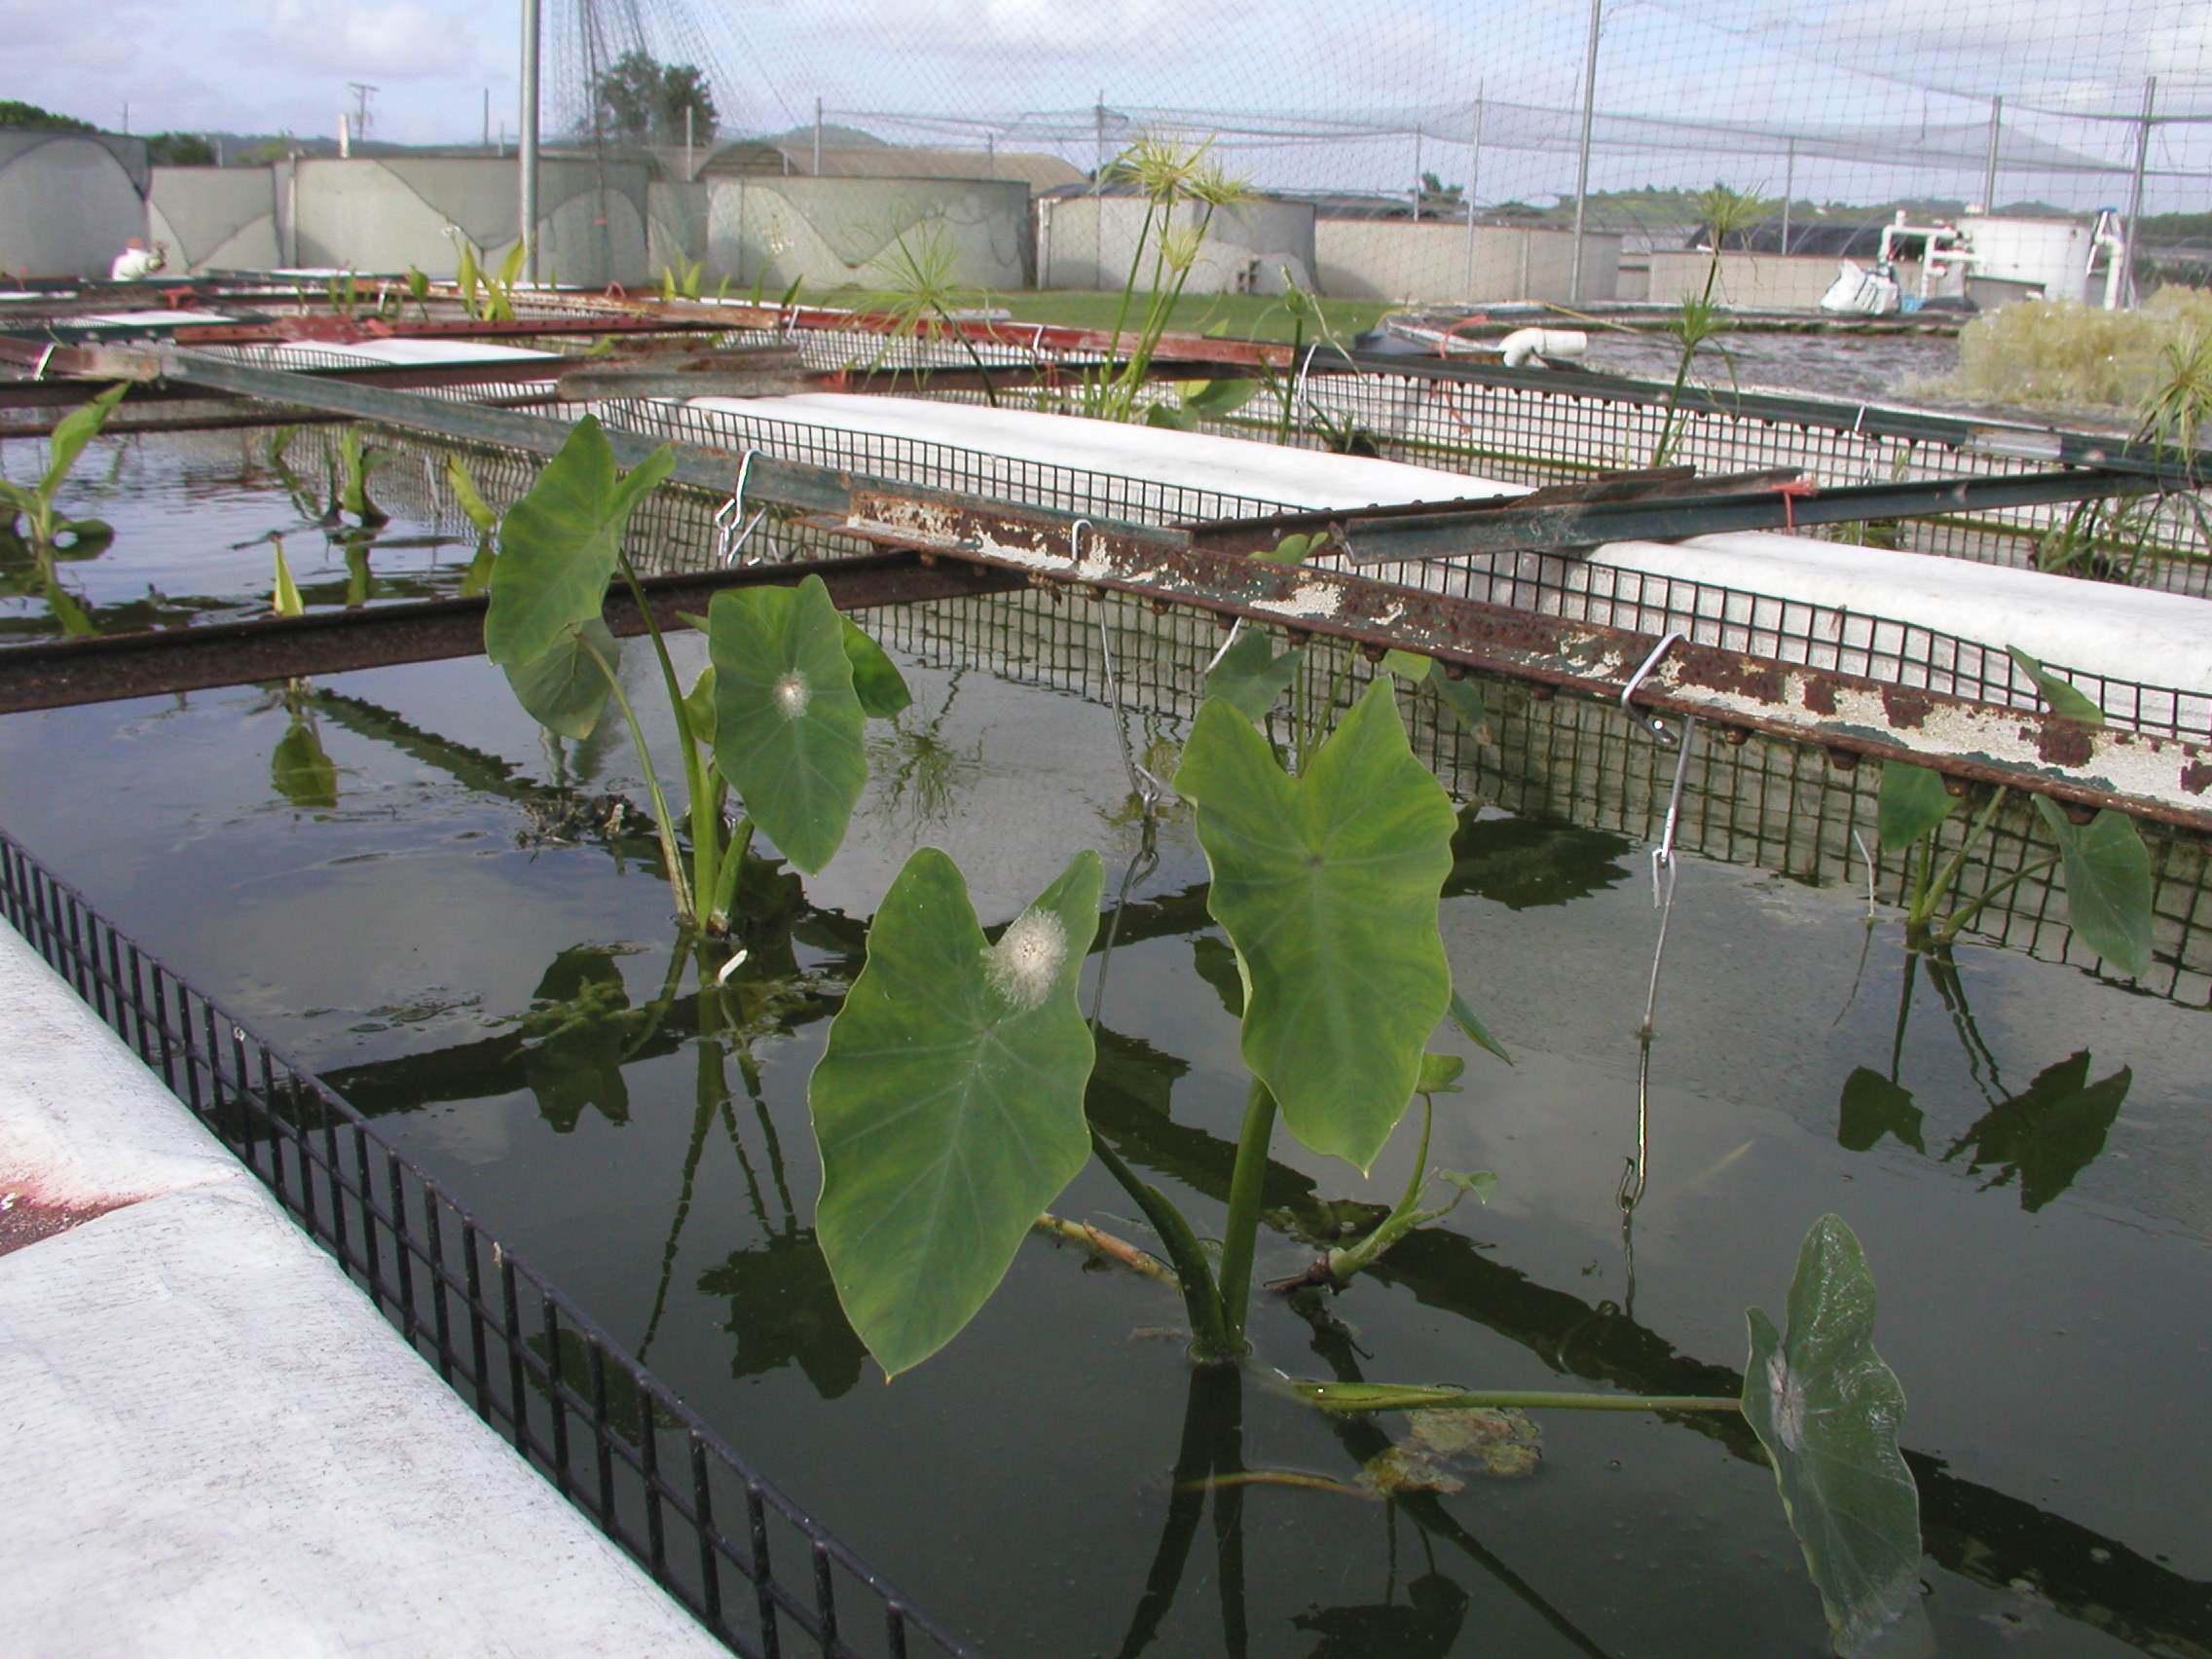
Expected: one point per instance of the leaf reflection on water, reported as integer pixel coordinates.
(2048, 1133)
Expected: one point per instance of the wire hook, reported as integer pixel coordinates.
(732, 539)
(1651, 724)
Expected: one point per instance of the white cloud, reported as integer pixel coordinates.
(400, 40)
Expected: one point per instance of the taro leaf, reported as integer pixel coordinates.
(300, 769)
(477, 579)
(1328, 886)
(1464, 698)
(1173, 417)
(2108, 885)
(69, 610)
(2064, 697)
(1293, 549)
(699, 706)
(1410, 665)
(284, 599)
(73, 432)
(948, 1102)
(787, 720)
(1826, 1410)
(876, 680)
(1913, 801)
(1250, 676)
(1463, 1017)
(462, 482)
(1440, 1073)
(558, 545)
(2050, 1131)
(566, 689)
(1210, 400)
(1872, 1107)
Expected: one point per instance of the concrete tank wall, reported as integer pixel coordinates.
(1435, 262)
(69, 200)
(676, 225)
(389, 212)
(215, 218)
(1754, 280)
(831, 232)
(1256, 247)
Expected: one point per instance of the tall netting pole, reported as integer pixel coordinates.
(1996, 137)
(526, 150)
(2135, 190)
(1582, 156)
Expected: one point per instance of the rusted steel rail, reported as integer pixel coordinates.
(2163, 778)
(66, 672)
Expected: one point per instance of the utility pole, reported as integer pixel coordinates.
(1788, 193)
(362, 91)
(525, 146)
(487, 119)
(1582, 158)
(2135, 193)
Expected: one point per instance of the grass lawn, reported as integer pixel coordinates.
(1240, 317)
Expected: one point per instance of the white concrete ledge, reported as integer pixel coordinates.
(213, 1444)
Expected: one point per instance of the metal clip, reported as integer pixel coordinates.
(38, 369)
(1075, 540)
(731, 539)
(1651, 724)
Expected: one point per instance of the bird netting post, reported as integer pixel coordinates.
(1996, 136)
(2126, 283)
(1582, 155)
(1474, 177)
(526, 150)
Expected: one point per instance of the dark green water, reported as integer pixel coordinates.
(463, 946)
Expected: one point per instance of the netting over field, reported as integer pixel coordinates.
(1864, 103)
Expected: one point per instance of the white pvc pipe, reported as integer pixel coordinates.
(1525, 344)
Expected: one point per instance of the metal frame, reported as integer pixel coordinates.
(647, 1469)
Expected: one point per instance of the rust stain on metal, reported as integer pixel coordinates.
(1819, 693)
(1907, 706)
(2196, 776)
(2063, 743)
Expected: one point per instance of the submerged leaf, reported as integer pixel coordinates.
(2050, 1131)
(1872, 1107)
(788, 720)
(1328, 886)
(1250, 676)
(948, 1102)
(566, 689)
(301, 770)
(2108, 885)
(1464, 698)
(1827, 1408)
(1913, 801)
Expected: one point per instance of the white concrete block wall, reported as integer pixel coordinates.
(212, 1443)
(1438, 263)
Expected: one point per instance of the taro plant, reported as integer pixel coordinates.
(2106, 866)
(35, 534)
(776, 719)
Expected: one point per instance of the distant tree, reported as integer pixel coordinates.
(1437, 197)
(180, 150)
(643, 100)
(13, 112)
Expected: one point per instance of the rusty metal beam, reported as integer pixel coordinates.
(62, 673)
(2150, 776)
(2162, 778)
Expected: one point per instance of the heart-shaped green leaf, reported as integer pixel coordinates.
(2063, 694)
(2108, 885)
(1826, 1410)
(566, 689)
(1250, 676)
(948, 1102)
(558, 545)
(876, 680)
(1328, 886)
(787, 720)
(1913, 801)
(73, 432)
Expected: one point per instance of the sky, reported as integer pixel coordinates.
(277, 65)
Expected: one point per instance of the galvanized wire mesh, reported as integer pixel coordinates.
(752, 1566)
